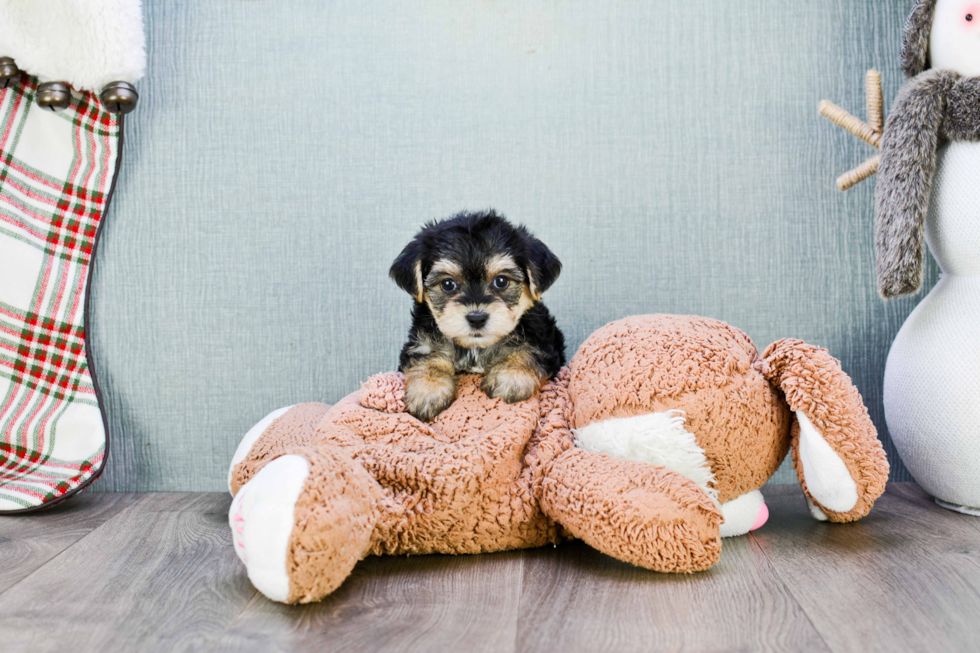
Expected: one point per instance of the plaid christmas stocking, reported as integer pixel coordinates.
(57, 171)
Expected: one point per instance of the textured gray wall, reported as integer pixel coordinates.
(283, 152)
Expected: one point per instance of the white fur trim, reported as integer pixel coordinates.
(827, 478)
(262, 519)
(740, 513)
(86, 43)
(815, 510)
(656, 438)
(253, 434)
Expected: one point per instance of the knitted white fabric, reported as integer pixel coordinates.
(932, 378)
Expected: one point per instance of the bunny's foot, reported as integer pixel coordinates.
(303, 522)
(744, 514)
(292, 426)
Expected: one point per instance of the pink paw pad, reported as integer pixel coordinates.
(761, 518)
(238, 528)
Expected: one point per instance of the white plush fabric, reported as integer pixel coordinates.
(261, 520)
(656, 438)
(86, 43)
(827, 478)
(815, 510)
(954, 41)
(741, 514)
(253, 434)
(932, 377)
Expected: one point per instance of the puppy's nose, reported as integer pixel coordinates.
(477, 319)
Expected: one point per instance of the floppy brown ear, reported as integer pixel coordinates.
(915, 38)
(543, 267)
(406, 271)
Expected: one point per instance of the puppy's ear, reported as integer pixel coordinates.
(543, 267)
(406, 271)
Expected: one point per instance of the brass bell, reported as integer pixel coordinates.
(8, 71)
(119, 97)
(54, 96)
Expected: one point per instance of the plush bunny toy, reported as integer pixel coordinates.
(929, 183)
(650, 445)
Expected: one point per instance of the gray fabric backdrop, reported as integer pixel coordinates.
(283, 152)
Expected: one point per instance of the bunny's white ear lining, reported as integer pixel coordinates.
(84, 43)
(827, 477)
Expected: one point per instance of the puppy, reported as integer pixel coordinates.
(477, 282)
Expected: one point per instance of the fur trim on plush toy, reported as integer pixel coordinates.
(84, 43)
(649, 446)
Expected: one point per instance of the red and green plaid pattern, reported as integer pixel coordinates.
(56, 174)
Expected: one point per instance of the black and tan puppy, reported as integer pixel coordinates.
(477, 282)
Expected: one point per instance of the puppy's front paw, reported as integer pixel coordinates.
(428, 394)
(511, 384)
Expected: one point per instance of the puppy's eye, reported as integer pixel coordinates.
(969, 18)
(500, 282)
(448, 285)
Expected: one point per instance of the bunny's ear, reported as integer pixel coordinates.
(836, 452)
(406, 271)
(543, 267)
(915, 40)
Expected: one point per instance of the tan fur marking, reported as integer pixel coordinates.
(515, 378)
(419, 287)
(430, 386)
(526, 302)
(443, 267)
(500, 263)
(533, 287)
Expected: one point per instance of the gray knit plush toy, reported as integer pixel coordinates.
(939, 104)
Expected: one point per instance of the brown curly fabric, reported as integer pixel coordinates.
(813, 382)
(295, 428)
(706, 368)
(334, 518)
(457, 485)
(486, 475)
(638, 513)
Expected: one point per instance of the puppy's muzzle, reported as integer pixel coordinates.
(477, 319)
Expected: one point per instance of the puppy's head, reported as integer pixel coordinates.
(477, 273)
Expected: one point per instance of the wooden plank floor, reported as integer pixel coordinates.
(156, 572)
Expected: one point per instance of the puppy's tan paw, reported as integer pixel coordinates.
(511, 384)
(427, 395)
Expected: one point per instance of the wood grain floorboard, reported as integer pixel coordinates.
(160, 576)
(576, 599)
(419, 603)
(29, 541)
(158, 573)
(915, 494)
(905, 578)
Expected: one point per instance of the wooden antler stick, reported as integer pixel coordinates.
(869, 132)
(876, 112)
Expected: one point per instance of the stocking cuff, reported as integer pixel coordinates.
(85, 43)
